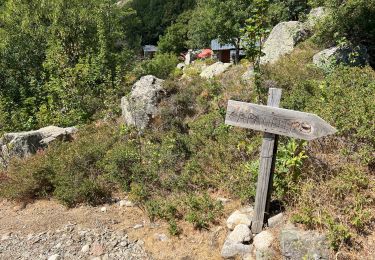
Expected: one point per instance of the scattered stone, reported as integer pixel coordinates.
(97, 249)
(300, 244)
(85, 248)
(240, 234)
(347, 55)
(141, 105)
(242, 216)
(126, 203)
(138, 226)
(20, 206)
(215, 70)
(231, 249)
(5, 236)
(24, 144)
(282, 40)
(263, 240)
(54, 257)
(103, 209)
(161, 237)
(275, 220)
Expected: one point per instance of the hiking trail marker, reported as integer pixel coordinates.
(274, 121)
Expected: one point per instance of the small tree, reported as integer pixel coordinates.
(220, 19)
(254, 33)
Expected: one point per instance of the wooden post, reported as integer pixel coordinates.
(266, 168)
(273, 121)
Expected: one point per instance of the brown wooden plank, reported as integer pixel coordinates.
(267, 164)
(277, 120)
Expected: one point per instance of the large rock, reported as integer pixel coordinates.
(347, 55)
(231, 250)
(263, 240)
(315, 16)
(298, 244)
(242, 216)
(215, 70)
(141, 105)
(23, 144)
(240, 234)
(234, 244)
(282, 40)
(275, 220)
(263, 246)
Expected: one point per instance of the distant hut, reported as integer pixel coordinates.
(225, 52)
(149, 51)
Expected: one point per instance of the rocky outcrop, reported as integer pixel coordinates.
(315, 16)
(141, 105)
(347, 55)
(23, 144)
(282, 40)
(297, 244)
(215, 70)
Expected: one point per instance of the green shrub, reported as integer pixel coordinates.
(29, 178)
(161, 66)
(349, 20)
(345, 99)
(202, 210)
(78, 178)
(350, 201)
(68, 171)
(121, 164)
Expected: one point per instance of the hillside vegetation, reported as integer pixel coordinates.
(69, 62)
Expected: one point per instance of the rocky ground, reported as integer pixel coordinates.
(48, 230)
(72, 242)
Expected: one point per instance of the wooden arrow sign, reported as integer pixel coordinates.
(277, 120)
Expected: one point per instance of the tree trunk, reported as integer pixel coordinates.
(237, 57)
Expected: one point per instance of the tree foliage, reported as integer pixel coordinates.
(219, 19)
(175, 39)
(58, 59)
(157, 15)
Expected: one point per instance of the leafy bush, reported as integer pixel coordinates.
(68, 171)
(202, 210)
(345, 99)
(350, 20)
(29, 179)
(161, 66)
(350, 203)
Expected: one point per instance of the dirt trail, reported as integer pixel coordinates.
(48, 216)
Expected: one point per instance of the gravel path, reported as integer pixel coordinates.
(71, 242)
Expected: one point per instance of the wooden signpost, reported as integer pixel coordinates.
(273, 121)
